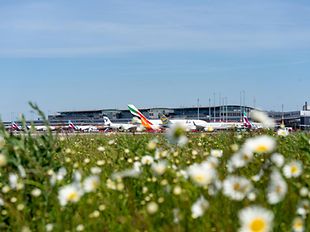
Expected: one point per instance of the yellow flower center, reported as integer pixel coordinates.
(261, 148)
(298, 224)
(237, 187)
(257, 225)
(72, 196)
(294, 169)
(200, 178)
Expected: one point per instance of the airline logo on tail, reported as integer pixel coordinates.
(246, 121)
(144, 121)
(72, 126)
(14, 126)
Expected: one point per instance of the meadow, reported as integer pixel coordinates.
(228, 181)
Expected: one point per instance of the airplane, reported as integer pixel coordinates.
(164, 122)
(88, 128)
(14, 127)
(121, 126)
(250, 125)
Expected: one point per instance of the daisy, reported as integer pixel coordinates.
(277, 159)
(260, 144)
(159, 168)
(292, 169)
(147, 160)
(298, 225)
(216, 153)
(152, 207)
(91, 183)
(3, 160)
(263, 118)
(277, 188)
(236, 187)
(69, 193)
(201, 174)
(176, 134)
(282, 132)
(303, 208)
(199, 207)
(255, 219)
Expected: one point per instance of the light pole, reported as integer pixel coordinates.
(198, 108)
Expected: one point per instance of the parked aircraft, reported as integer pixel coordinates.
(87, 128)
(121, 126)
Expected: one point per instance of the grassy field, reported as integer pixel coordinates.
(122, 182)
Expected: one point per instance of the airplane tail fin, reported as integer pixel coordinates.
(145, 122)
(14, 126)
(71, 125)
(246, 121)
(107, 121)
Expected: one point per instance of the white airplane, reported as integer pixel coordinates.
(87, 128)
(164, 122)
(121, 126)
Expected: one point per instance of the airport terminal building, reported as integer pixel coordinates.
(225, 113)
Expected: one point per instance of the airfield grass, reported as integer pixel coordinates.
(124, 204)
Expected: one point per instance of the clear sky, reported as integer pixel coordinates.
(77, 54)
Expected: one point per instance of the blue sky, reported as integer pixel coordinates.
(76, 54)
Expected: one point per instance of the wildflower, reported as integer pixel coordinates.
(69, 193)
(260, 144)
(94, 214)
(201, 174)
(159, 168)
(111, 142)
(277, 159)
(101, 149)
(20, 207)
(62, 172)
(176, 134)
(36, 192)
(303, 208)
(282, 132)
(251, 196)
(49, 227)
(263, 118)
(216, 153)
(240, 159)
(147, 160)
(100, 162)
(80, 227)
(91, 183)
(298, 225)
(3, 160)
(152, 207)
(95, 170)
(13, 179)
(6, 189)
(255, 219)
(199, 207)
(102, 207)
(86, 160)
(304, 192)
(152, 145)
(292, 169)
(177, 190)
(236, 187)
(277, 188)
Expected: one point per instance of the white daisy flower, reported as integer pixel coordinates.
(101, 148)
(236, 187)
(263, 118)
(298, 225)
(147, 160)
(13, 179)
(36, 192)
(216, 153)
(152, 207)
(62, 172)
(277, 188)
(303, 208)
(176, 134)
(91, 183)
(255, 219)
(240, 159)
(199, 207)
(292, 169)
(277, 159)
(95, 170)
(160, 167)
(304, 192)
(282, 132)
(260, 144)
(69, 194)
(201, 174)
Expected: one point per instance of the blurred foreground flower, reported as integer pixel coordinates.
(255, 219)
(176, 134)
(263, 118)
(260, 144)
(202, 174)
(199, 207)
(277, 188)
(236, 187)
(292, 169)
